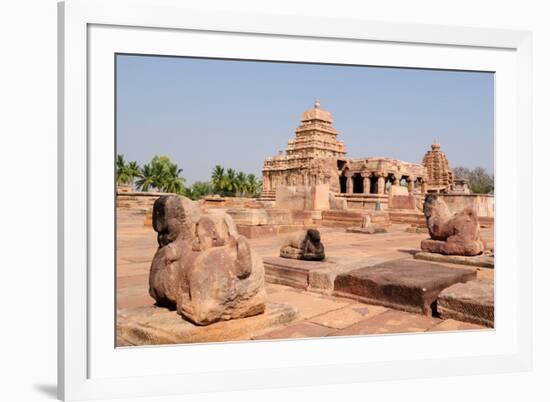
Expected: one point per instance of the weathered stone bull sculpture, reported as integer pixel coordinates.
(451, 234)
(304, 245)
(203, 267)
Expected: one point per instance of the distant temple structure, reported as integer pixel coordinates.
(440, 175)
(315, 156)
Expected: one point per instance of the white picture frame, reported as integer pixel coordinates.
(91, 32)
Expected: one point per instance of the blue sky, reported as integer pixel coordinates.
(203, 112)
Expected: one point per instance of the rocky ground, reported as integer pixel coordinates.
(307, 314)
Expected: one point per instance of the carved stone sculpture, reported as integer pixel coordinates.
(451, 234)
(203, 268)
(304, 245)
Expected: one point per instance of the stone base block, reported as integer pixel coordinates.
(248, 216)
(367, 230)
(153, 325)
(448, 248)
(411, 217)
(321, 280)
(315, 276)
(406, 284)
(291, 272)
(471, 302)
(253, 232)
(482, 261)
(256, 231)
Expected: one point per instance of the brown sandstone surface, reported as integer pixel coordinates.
(137, 244)
(471, 302)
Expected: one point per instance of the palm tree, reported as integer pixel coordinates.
(241, 183)
(219, 180)
(253, 185)
(122, 172)
(173, 183)
(146, 179)
(231, 181)
(133, 171)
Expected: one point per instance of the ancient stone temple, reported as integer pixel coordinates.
(317, 157)
(440, 175)
(310, 159)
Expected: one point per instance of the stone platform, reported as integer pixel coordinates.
(366, 230)
(316, 276)
(405, 284)
(471, 302)
(482, 261)
(318, 309)
(151, 325)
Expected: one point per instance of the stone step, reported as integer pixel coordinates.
(153, 325)
(414, 218)
(471, 302)
(354, 218)
(291, 272)
(406, 284)
(482, 261)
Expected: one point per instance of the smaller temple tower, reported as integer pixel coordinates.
(440, 175)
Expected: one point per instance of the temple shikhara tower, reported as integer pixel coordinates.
(310, 158)
(317, 157)
(316, 137)
(440, 175)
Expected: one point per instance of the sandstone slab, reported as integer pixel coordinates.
(344, 317)
(369, 230)
(308, 304)
(321, 279)
(454, 325)
(152, 325)
(405, 284)
(256, 231)
(471, 302)
(315, 276)
(483, 261)
(390, 321)
(297, 330)
(291, 272)
(248, 216)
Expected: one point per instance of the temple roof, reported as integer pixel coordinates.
(437, 165)
(316, 113)
(436, 145)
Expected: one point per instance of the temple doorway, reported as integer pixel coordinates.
(343, 184)
(357, 183)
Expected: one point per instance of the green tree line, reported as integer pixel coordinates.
(479, 181)
(161, 174)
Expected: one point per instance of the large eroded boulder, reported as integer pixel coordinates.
(203, 267)
(451, 234)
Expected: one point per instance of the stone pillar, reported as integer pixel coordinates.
(366, 185)
(396, 181)
(349, 184)
(423, 187)
(381, 183)
(410, 185)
